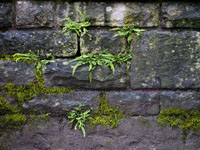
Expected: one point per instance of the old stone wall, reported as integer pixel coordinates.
(165, 71)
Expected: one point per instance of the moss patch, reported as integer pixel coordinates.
(106, 115)
(182, 118)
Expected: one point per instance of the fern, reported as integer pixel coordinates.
(79, 118)
(79, 28)
(127, 31)
(102, 59)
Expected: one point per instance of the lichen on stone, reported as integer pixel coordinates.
(106, 115)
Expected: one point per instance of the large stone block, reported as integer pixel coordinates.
(102, 39)
(34, 14)
(166, 60)
(131, 134)
(5, 15)
(17, 73)
(179, 14)
(59, 73)
(135, 102)
(54, 42)
(141, 14)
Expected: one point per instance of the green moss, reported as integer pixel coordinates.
(106, 115)
(182, 118)
(7, 108)
(42, 118)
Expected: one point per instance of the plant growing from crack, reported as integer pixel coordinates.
(126, 31)
(102, 59)
(78, 118)
(79, 28)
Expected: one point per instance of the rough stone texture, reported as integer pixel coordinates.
(186, 100)
(61, 104)
(193, 140)
(141, 14)
(135, 102)
(179, 14)
(5, 15)
(59, 73)
(67, 10)
(17, 73)
(166, 60)
(34, 14)
(131, 134)
(46, 41)
(101, 40)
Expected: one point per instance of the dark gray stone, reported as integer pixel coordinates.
(5, 15)
(135, 102)
(102, 39)
(166, 60)
(59, 73)
(141, 14)
(186, 100)
(179, 14)
(54, 42)
(34, 14)
(17, 73)
(62, 103)
(131, 134)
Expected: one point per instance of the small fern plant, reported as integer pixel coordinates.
(127, 31)
(102, 59)
(79, 28)
(78, 118)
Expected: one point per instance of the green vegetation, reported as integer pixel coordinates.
(102, 59)
(79, 28)
(106, 115)
(126, 31)
(78, 118)
(182, 118)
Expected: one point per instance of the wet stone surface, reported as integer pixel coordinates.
(34, 14)
(5, 15)
(46, 41)
(180, 15)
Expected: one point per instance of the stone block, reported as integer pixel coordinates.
(135, 102)
(141, 14)
(102, 39)
(6, 15)
(17, 73)
(54, 42)
(32, 14)
(59, 73)
(166, 60)
(179, 14)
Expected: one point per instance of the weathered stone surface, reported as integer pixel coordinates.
(135, 102)
(17, 73)
(141, 14)
(34, 14)
(101, 40)
(131, 134)
(61, 104)
(5, 15)
(193, 140)
(59, 73)
(67, 10)
(166, 60)
(54, 42)
(186, 100)
(179, 14)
